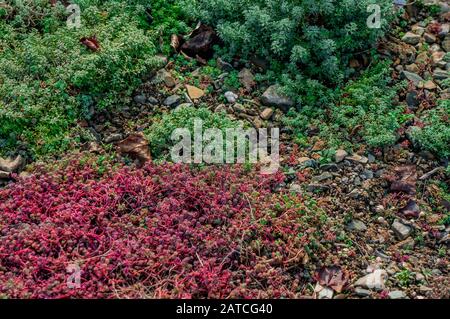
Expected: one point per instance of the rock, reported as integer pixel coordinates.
(356, 225)
(323, 292)
(397, 294)
(140, 99)
(438, 58)
(413, 77)
(306, 162)
(152, 100)
(401, 231)
(271, 97)
(445, 29)
(371, 158)
(367, 174)
(340, 155)
(375, 281)
(266, 114)
(417, 29)
(11, 165)
(201, 42)
(358, 159)
(355, 193)
(322, 177)
(329, 167)
(429, 85)
(430, 38)
(4, 175)
(420, 277)
(224, 66)
(411, 38)
(412, 100)
(435, 48)
(317, 188)
(412, 68)
(360, 292)
(172, 101)
(295, 188)
(220, 108)
(446, 43)
(440, 74)
(231, 97)
(113, 138)
(164, 76)
(194, 92)
(422, 57)
(247, 79)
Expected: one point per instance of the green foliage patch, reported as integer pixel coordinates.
(365, 113)
(48, 79)
(308, 43)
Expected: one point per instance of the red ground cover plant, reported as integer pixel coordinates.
(163, 231)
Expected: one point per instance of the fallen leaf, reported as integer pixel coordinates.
(201, 42)
(332, 277)
(410, 210)
(91, 43)
(11, 165)
(136, 146)
(194, 92)
(404, 179)
(175, 41)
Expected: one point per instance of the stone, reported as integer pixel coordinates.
(317, 188)
(358, 159)
(266, 114)
(445, 29)
(152, 100)
(367, 174)
(271, 97)
(413, 77)
(438, 58)
(113, 138)
(360, 292)
(412, 68)
(164, 76)
(322, 177)
(224, 66)
(401, 231)
(420, 277)
(295, 188)
(329, 167)
(412, 99)
(440, 74)
(231, 97)
(305, 162)
(324, 292)
(247, 79)
(417, 29)
(140, 99)
(356, 225)
(411, 38)
(4, 175)
(11, 165)
(194, 92)
(374, 281)
(446, 43)
(397, 294)
(430, 38)
(429, 85)
(340, 155)
(172, 101)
